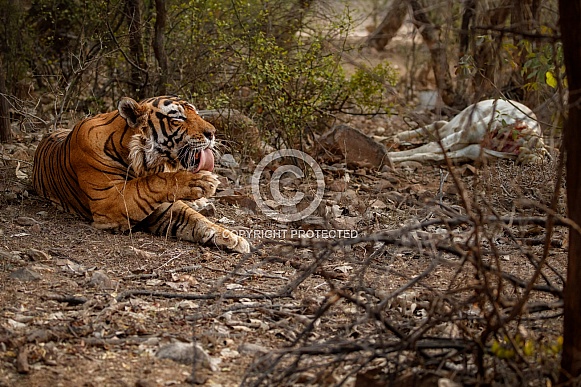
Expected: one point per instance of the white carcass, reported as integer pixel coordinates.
(499, 128)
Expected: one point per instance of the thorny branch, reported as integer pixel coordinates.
(485, 304)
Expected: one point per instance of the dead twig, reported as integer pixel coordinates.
(191, 296)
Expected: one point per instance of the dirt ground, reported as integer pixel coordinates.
(83, 307)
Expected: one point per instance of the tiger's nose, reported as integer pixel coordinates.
(209, 134)
(208, 130)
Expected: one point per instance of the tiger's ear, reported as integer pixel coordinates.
(134, 113)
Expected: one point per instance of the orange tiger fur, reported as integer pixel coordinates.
(136, 168)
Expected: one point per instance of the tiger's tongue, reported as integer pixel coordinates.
(206, 161)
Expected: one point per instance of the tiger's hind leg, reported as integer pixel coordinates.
(180, 221)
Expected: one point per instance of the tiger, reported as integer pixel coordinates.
(137, 168)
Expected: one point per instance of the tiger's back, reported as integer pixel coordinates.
(53, 176)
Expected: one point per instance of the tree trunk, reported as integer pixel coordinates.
(284, 30)
(486, 56)
(467, 18)
(5, 131)
(438, 53)
(389, 26)
(137, 63)
(159, 45)
(570, 14)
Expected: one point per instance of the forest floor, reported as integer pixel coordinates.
(84, 307)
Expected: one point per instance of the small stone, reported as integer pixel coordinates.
(70, 266)
(22, 365)
(208, 210)
(145, 383)
(25, 221)
(389, 177)
(9, 256)
(383, 185)
(338, 186)
(38, 255)
(378, 204)
(386, 169)
(25, 274)
(394, 197)
(252, 349)
(100, 280)
(410, 166)
(231, 174)
(228, 161)
(187, 353)
(41, 336)
(227, 353)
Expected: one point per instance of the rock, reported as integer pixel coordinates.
(41, 336)
(451, 190)
(72, 267)
(9, 257)
(252, 349)
(203, 206)
(354, 147)
(386, 169)
(25, 221)
(43, 214)
(145, 383)
(347, 197)
(383, 185)
(224, 183)
(38, 255)
(345, 223)
(228, 161)
(389, 177)
(227, 353)
(100, 280)
(394, 197)
(378, 205)
(187, 353)
(410, 166)
(445, 382)
(141, 254)
(338, 185)
(229, 173)
(25, 274)
(208, 210)
(22, 365)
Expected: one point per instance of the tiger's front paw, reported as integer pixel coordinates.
(230, 241)
(198, 185)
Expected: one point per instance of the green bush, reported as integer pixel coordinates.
(257, 57)
(277, 61)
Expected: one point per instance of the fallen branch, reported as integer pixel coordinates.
(69, 299)
(192, 296)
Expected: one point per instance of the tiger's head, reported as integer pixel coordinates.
(169, 135)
